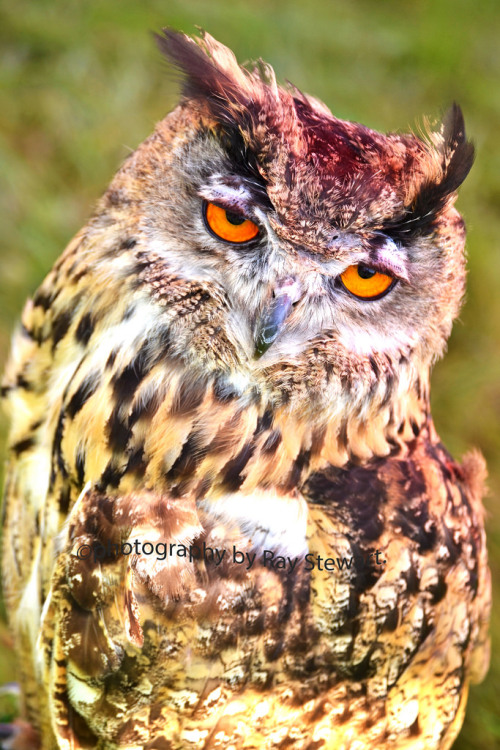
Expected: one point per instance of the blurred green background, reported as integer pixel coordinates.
(81, 84)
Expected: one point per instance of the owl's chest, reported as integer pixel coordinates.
(344, 566)
(340, 590)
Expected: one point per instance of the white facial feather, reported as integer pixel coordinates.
(267, 519)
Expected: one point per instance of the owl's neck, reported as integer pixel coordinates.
(209, 442)
(296, 444)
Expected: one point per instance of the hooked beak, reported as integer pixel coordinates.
(286, 293)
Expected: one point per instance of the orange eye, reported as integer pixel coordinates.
(366, 283)
(229, 226)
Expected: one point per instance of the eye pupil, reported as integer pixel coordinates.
(233, 218)
(365, 273)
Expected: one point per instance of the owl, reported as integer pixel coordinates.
(229, 520)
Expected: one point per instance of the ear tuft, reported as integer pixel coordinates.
(457, 151)
(211, 73)
(449, 159)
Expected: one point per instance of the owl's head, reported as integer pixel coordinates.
(298, 255)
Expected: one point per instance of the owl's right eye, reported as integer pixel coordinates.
(366, 283)
(228, 225)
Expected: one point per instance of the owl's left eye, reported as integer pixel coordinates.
(365, 282)
(228, 225)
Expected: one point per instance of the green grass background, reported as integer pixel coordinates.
(81, 83)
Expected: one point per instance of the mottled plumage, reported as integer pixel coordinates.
(169, 386)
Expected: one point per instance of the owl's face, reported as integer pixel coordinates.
(326, 260)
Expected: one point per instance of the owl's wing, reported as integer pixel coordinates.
(474, 475)
(425, 609)
(102, 597)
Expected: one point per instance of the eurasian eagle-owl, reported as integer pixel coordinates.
(229, 521)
